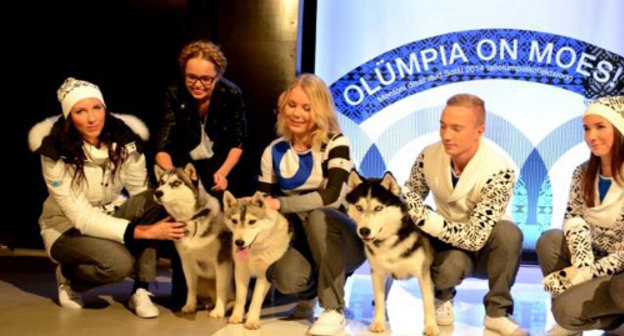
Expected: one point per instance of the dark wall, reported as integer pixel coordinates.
(129, 48)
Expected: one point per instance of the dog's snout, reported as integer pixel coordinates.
(239, 242)
(158, 193)
(364, 232)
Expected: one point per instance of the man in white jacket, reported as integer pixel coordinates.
(471, 186)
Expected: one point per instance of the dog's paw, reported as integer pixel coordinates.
(252, 324)
(187, 309)
(431, 330)
(216, 313)
(235, 319)
(378, 326)
(207, 305)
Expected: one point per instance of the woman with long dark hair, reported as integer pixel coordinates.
(89, 227)
(583, 265)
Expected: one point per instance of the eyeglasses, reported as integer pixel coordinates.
(204, 80)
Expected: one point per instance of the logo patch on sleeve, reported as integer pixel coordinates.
(131, 147)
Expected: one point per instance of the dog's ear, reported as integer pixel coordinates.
(354, 180)
(189, 169)
(258, 200)
(388, 182)
(229, 200)
(158, 171)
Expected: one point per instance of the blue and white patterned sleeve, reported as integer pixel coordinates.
(338, 167)
(267, 181)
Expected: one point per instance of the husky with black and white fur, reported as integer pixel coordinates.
(393, 243)
(206, 250)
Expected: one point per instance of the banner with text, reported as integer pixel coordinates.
(535, 85)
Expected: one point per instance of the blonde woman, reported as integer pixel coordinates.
(583, 265)
(305, 171)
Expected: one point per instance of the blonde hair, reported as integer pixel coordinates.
(470, 101)
(322, 109)
(281, 100)
(204, 50)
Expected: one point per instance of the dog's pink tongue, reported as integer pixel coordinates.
(242, 254)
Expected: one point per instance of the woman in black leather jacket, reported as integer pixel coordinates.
(204, 118)
(203, 122)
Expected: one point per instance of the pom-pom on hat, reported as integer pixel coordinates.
(74, 90)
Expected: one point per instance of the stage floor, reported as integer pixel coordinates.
(27, 291)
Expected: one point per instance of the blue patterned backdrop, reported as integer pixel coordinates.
(485, 54)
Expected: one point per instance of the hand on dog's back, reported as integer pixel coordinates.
(162, 230)
(273, 203)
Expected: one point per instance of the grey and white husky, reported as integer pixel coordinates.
(261, 236)
(205, 251)
(393, 243)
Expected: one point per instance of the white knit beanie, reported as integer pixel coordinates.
(74, 90)
(610, 108)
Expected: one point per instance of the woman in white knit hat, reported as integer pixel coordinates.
(97, 236)
(583, 265)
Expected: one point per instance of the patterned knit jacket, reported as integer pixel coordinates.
(466, 213)
(595, 235)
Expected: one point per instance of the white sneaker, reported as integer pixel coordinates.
(505, 325)
(445, 316)
(330, 322)
(68, 298)
(558, 330)
(305, 309)
(142, 305)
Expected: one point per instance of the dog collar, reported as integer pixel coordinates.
(202, 213)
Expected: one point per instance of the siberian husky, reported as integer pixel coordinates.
(205, 251)
(261, 236)
(394, 245)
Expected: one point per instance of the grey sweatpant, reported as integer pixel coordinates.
(595, 304)
(88, 262)
(497, 261)
(336, 251)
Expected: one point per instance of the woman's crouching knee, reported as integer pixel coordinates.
(288, 283)
(564, 313)
(290, 275)
(617, 290)
(117, 271)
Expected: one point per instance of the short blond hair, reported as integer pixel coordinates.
(470, 101)
(204, 50)
(322, 109)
